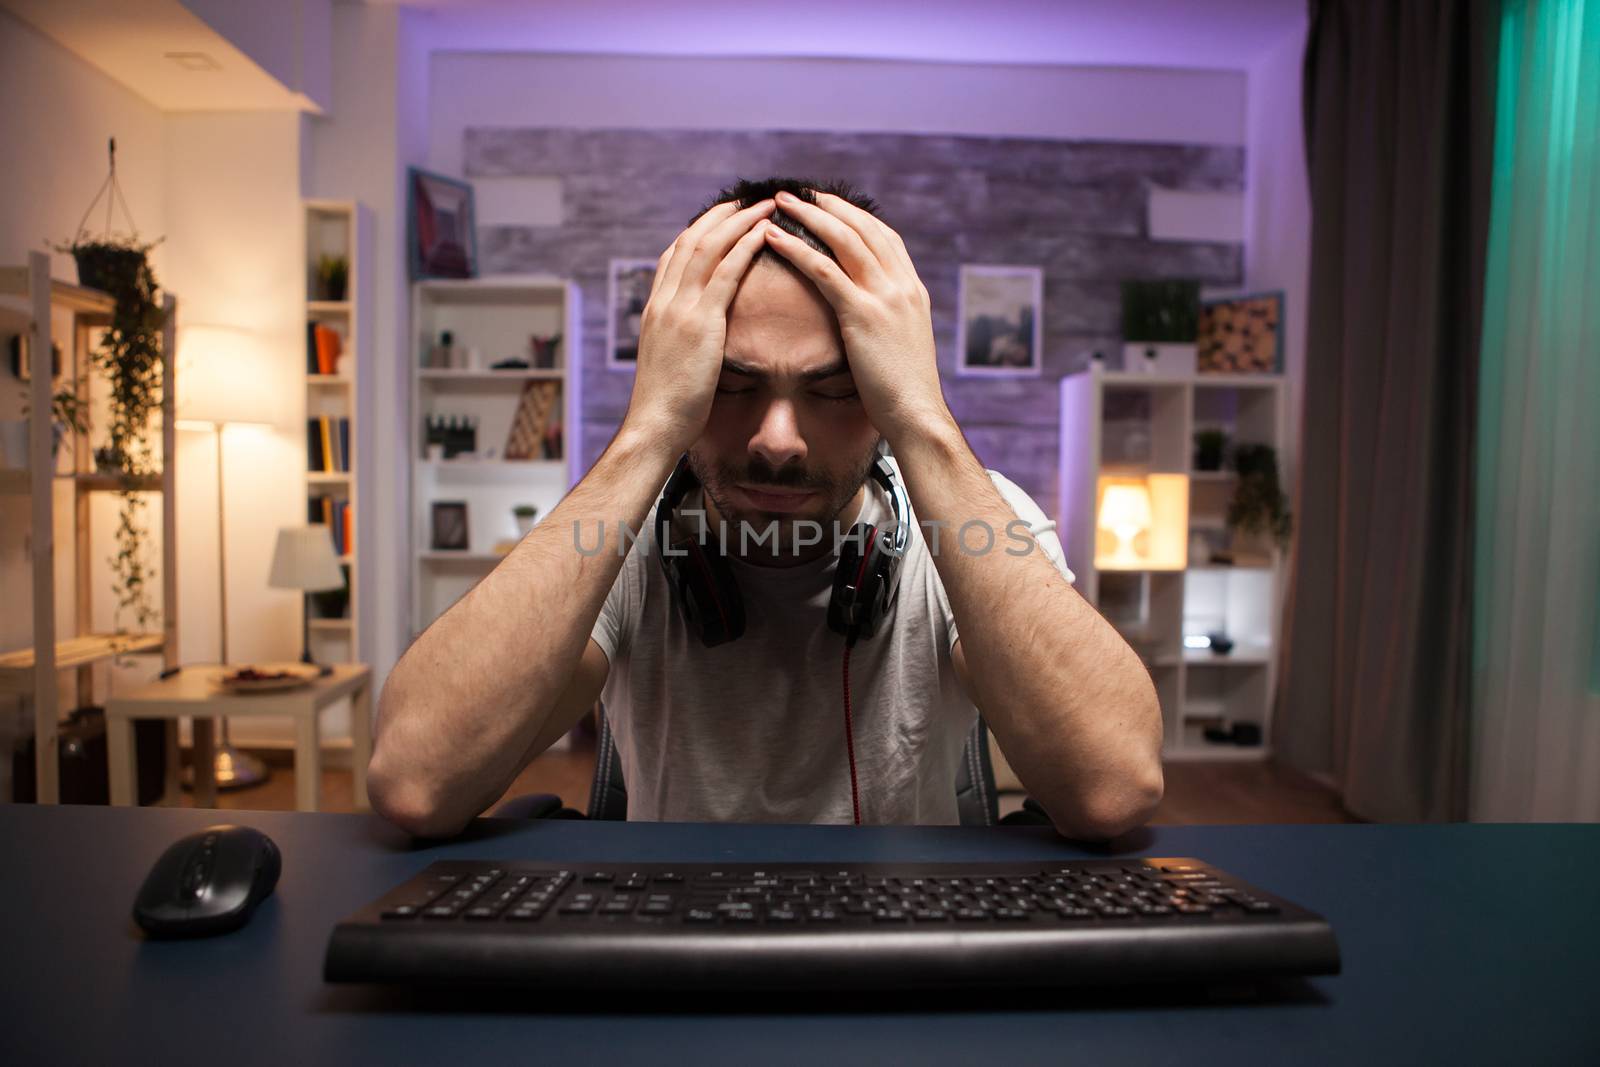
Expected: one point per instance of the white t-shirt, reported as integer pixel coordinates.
(753, 730)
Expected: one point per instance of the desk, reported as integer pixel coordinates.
(193, 691)
(1461, 944)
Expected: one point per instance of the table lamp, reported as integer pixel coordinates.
(218, 386)
(303, 559)
(1125, 511)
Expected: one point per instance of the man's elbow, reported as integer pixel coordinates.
(409, 804)
(1111, 812)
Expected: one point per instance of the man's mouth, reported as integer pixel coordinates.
(775, 499)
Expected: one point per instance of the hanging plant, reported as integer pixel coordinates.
(130, 357)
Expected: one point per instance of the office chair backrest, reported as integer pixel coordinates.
(976, 800)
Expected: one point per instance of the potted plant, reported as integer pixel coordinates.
(130, 357)
(1208, 449)
(333, 277)
(1160, 322)
(1258, 514)
(526, 515)
(67, 412)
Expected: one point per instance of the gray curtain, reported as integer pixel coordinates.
(1375, 689)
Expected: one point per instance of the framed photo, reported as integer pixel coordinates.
(627, 292)
(442, 226)
(22, 357)
(1241, 335)
(998, 327)
(449, 525)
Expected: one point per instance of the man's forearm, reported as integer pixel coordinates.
(1069, 701)
(465, 702)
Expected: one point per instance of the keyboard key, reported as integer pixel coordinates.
(972, 914)
(782, 915)
(930, 915)
(668, 878)
(822, 915)
(656, 907)
(524, 914)
(699, 915)
(598, 877)
(577, 907)
(403, 911)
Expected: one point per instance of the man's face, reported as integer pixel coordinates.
(787, 438)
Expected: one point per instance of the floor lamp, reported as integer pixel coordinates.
(234, 769)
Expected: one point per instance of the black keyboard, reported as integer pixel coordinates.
(843, 926)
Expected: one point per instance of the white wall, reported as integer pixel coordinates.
(1109, 103)
(359, 151)
(1278, 213)
(56, 160)
(235, 261)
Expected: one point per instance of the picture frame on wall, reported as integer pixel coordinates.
(22, 358)
(999, 321)
(449, 526)
(442, 226)
(627, 291)
(1241, 335)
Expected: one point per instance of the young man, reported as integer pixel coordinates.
(786, 335)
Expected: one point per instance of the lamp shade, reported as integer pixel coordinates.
(1125, 509)
(225, 375)
(304, 560)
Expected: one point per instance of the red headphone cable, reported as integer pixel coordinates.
(849, 735)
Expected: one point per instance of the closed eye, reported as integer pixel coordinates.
(851, 395)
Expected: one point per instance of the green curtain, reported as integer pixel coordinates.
(1536, 643)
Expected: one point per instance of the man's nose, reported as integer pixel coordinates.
(777, 439)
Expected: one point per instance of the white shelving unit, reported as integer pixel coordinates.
(32, 304)
(1117, 422)
(340, 228)
(490, 320)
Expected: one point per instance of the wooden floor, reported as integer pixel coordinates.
(1197, 793)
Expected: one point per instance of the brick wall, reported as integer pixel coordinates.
(1077, 209)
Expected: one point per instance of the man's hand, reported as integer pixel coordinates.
(685, 324)
(882, 307)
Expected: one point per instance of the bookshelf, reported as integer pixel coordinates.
(1137, 424)
(460, 398)
(32, 304)
(337, 339)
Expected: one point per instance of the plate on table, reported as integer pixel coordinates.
(267, 677)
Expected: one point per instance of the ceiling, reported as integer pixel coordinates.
(1190, 34)
(161, 51)
(164, 52)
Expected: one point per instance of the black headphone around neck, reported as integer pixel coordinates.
(706, 591)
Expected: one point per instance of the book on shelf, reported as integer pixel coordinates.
(337, 515)
(328, 444)
(323, 348)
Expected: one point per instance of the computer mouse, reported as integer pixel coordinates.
(208, 882)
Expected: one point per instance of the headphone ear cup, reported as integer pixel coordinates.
(854, 583)
(700, 580)
(711, 600)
